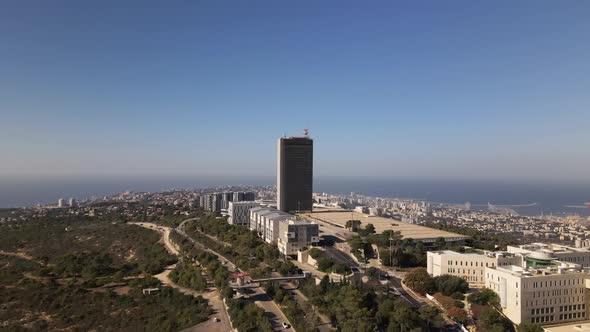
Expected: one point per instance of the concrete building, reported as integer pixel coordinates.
(553, 294)
(562, 253)
(61, 202)
(295, 174)
(265, 221)
(284, 229)
(296, 234)
(469, 266)
(72, 202)
(240, 196)
(226, 197)
(239, 212)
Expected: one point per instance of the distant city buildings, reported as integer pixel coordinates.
(295, 174)
(72, 202)
(61, 203)
(218, 202)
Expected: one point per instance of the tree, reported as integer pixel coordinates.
(419, 280)
(353, 225)
(440, 243)
(529, 327)
(448, 284)
(492, 320)
(431, 316)
(458, 315)
(485, 296)
(370, 229)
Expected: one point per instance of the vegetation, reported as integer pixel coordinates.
(485, 296)
(421, 282)
(51, 305)
(492, 321)
(529, 327)
(246, 316)
(129, 247)
(62, 274)
(478, 239)
(326, 263)
(355, 306)
(187, 275)
(242, 246)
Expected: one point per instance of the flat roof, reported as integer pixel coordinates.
(571, 327)
(416, 232)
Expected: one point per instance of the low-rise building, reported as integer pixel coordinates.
(469, 266)
(239, 212)
(553, 294)
(562, 253)
(295, 234)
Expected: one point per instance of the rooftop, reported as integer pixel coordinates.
(416, 232)
(558, 268)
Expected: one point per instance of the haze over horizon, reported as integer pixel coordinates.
(457, 90)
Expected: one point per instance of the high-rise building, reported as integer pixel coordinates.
(295, 174)
(61, 202)
(72, 202)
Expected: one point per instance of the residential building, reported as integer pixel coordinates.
(239, 212)
(295, 174)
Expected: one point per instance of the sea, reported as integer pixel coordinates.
(525, 197)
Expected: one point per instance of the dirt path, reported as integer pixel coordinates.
(212, 295)
(165, 231)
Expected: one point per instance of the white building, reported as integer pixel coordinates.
(61, 202)
(563, 253)
(284, 229)
(264, 221)
(469, 266)
(553, 294)
(296, 234)
(239, 212)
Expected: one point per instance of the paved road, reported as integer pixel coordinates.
(299, 297)
(341, 257)
(260, 298)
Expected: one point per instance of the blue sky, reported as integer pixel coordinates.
(453, 89)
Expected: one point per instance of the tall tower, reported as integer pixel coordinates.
(295, 173)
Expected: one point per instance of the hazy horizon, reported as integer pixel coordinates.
(445, 90)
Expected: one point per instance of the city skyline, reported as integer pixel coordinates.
(444, 91)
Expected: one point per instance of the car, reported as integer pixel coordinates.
(286, 325)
